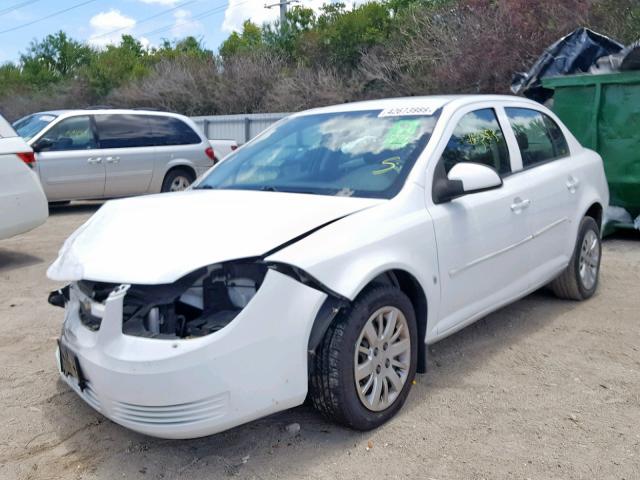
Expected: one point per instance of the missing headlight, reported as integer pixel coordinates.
(199, 304)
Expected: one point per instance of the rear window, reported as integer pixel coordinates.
(171, 131)
(539, 137)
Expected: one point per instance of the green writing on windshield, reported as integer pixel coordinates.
(401, 134)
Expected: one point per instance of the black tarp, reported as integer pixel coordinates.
(575, 53)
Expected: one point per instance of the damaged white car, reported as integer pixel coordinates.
(321, 259)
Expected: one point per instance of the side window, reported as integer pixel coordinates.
(73, 133)
(171, 131)
(478, 138)
(123, 131)
(539, 137)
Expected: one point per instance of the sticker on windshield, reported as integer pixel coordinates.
(46, 118)
(402, 111)
(401, 134)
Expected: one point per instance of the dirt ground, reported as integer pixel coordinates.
(542, 389)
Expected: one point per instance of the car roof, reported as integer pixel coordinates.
(424, 103)
(94, 111)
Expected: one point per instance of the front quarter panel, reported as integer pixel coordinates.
(348, 254)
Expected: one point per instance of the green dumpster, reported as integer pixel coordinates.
(603, 112)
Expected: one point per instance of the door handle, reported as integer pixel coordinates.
(572, 184)
(93, 161)
(519, 204)
(113, 159)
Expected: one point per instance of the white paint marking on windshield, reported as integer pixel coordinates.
(402, 111)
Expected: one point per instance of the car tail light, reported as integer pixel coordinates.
(234, 147)
(28, 157)
(210, 154)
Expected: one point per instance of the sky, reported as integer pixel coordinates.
(100, 22)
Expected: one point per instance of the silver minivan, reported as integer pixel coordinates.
(107, 153)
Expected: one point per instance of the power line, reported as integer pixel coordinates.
(4, 11)
(200, 16)
(54, 14)
(164, 12)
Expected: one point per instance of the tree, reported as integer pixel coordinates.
(116, 65)
(245, 42)
(53, 59)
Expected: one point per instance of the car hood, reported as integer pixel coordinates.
(159, 238)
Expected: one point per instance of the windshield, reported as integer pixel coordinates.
(360, 154)
(28, 127)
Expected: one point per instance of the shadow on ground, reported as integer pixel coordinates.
(10, 260)
(74, 208)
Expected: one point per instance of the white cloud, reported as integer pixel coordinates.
(185, 24)
(240, 10)
(104, 23)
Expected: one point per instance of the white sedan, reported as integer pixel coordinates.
(321, 259)
(23, 205)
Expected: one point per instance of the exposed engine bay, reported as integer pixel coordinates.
(196, 305)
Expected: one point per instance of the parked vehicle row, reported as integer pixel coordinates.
(107, 153)
(321, 259)
(23, 205)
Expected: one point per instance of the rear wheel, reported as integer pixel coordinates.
(579, 280)
(177, 180)
(366, 363)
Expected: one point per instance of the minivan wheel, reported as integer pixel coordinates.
(177, 180)
(363, 369)
(579, 280)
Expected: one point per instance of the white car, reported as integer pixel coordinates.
(222, 148)
(23, 205)
(321, 259)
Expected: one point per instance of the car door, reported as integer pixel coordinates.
(550, 186)
(68, 160)
(482, 238)
(127, 150)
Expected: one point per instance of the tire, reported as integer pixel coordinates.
(332, 386)
(571, 284)
(177, 179)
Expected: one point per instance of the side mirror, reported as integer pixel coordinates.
(42, 144)
(466, 178)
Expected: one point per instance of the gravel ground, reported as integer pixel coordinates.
(541, 389)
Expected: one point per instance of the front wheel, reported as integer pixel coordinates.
(177, 180)
(363, 369)
(579, 280)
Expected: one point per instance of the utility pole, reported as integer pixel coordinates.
(283, 10)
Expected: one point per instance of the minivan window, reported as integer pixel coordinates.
(478, 139)
(539, 137)
(123, 131)
(28, 127)
(74, 133)
(171, 131)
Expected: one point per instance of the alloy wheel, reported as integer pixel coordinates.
(382, 358)
(589, 259)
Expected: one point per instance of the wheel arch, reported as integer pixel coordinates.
(177, 166)
(595, 211)
(399, 278)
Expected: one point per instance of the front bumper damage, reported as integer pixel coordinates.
(185, 388)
